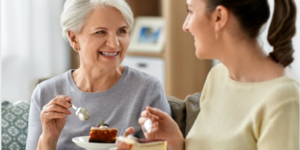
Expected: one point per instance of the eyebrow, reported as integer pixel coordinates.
(100, 28)
(107, 28)
(124, 27)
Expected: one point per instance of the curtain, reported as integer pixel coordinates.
(32, 46)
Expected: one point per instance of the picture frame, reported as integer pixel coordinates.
(148, 35)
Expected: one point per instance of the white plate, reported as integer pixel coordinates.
(83, 141)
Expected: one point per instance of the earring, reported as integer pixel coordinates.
(76, 49)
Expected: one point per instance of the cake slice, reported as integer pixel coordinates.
(103, 134)
(129, 143)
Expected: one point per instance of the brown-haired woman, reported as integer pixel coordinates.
(247, 101)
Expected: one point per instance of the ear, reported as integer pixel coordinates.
(73, 40)
(221, 17)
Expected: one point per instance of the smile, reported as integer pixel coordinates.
(110, 54)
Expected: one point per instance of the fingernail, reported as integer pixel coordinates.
(67, 98)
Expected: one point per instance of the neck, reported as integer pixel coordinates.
(96, 80)
(246, 62)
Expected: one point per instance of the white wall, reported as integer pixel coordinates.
(32, 46)
(296, 64)
(293, 70)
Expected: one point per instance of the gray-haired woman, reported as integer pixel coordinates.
(98, 31)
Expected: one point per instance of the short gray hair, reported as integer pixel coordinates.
(76, 11)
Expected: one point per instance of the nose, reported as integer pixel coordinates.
(112, 41)
(185, 25)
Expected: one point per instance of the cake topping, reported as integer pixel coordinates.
(103, 125)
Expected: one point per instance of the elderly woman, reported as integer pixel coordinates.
(99, 31)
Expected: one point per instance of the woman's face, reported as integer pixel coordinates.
(104, 39)
(201, 27)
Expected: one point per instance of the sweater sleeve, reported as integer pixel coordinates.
(158, 98)
(280, 127)
(34, 122)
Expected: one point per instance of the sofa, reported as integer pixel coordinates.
(14, 123)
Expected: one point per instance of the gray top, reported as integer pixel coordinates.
(120, 106)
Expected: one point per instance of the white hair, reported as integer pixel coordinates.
(76, 11)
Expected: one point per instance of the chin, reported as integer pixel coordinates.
(199, 54)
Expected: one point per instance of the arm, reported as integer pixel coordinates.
(46, 122)
(35, 137)
(34, 121)
(280, 128)
(163, 127)
(158, 98)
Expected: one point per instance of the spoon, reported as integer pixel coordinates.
(147, 125)
(81, 113)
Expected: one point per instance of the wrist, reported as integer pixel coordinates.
(47, 142)
(177, 144)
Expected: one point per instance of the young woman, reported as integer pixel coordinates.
(247, 102)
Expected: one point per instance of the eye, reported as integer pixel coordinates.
(122, 31)
(101, 32)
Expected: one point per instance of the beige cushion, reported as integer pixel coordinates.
(185, 112)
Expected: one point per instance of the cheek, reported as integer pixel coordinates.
(201, 31)
(125, 43)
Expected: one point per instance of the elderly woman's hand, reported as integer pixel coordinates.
(53, 117)
(163, 127)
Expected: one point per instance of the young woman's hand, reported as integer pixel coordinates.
(53, 118)
(163, 127)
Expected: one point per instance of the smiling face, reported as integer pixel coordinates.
(103, 40)
(199, 24)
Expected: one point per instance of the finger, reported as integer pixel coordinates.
(56, 108)
(145, 113)
(156, 112)
(62, 100)
(154, 118)
(142, 120)
(155, 129)
(53, 115)
(128, 131)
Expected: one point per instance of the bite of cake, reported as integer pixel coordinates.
(103, 134)
(132, 143)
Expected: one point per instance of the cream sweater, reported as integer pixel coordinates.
(246, 116)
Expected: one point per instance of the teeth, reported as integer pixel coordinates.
(109, 54)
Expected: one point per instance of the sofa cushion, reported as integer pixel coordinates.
(14, 125)
(178, 112)
(185, 112)
(192, 110)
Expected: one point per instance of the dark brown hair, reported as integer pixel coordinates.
(252, 14)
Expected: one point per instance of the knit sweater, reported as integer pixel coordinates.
(246, 116)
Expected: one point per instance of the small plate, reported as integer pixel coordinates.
(83, 141)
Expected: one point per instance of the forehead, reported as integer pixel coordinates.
(196, 3)
(108, 17)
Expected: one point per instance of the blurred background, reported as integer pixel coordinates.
(32, 47)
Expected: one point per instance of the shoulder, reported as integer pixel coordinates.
(56, 81)
(50, 87)
(219, 68)
(284, 88)
(217, 74)
(140, 78)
